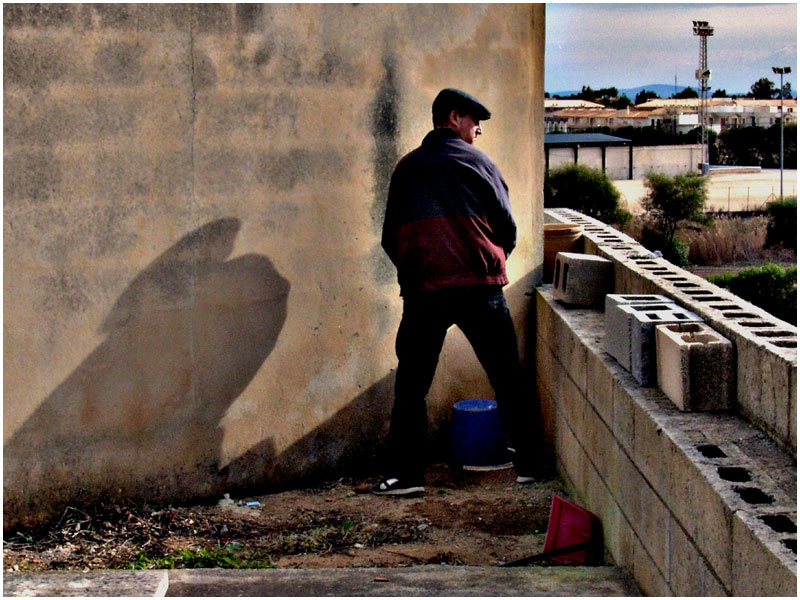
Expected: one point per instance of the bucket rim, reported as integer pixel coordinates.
(475, 405)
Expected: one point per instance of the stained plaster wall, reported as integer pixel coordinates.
(195, 299)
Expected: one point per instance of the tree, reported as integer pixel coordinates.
(586, 190)
(758, 147)
(719, 94)
(669, 202)
(621, 103)
(602, 96)
(686, 93)
(744, 147)
(763, 89)
(787, 90)
(644, 96)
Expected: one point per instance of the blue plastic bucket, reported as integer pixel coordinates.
(477, 436)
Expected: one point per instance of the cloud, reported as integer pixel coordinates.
(626, 45)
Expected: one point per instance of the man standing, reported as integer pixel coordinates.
(449, 230)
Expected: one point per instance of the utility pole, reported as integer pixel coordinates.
(781, 71)
(703, 30)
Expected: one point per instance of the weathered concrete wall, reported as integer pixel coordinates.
(195, 298)
(670, 160)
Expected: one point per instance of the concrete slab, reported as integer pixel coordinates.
(94, 583)
(429, 580)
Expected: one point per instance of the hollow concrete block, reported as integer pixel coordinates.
(617, 340)
(644, 320)
(694, 366)
(582, 279)
(762, 566)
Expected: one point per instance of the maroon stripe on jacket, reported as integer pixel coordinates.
(442, 252)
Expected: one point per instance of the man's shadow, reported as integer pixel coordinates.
(183, 342)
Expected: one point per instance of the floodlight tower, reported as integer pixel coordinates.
(703, 30)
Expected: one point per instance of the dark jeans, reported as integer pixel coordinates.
(481, 313)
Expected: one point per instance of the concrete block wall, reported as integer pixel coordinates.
(765, 347)
(195, 297)
(691, 504)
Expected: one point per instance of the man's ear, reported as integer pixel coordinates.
(452, 119)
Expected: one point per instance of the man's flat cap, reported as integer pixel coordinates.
(452, 99)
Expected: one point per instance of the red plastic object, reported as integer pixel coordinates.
(571, 524)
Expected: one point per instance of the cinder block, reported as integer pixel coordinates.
(695, 366)
(582, 279)
(703, 512)
(617, 341)
(598, 440)
(622, 415)
(599, 385)
(748, 381)
(689, 574)
(652, 446)
(619, 534)
(652, 581)
(617, 299)
(573, 355)
(775, 391)
(643, 345)
(761, 565)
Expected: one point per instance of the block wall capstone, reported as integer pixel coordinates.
(195, 297)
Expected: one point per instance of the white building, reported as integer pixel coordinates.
(678, 115)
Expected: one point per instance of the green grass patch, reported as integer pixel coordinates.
(230, 556)
(770, 286)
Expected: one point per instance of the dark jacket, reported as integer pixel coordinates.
(448, 219)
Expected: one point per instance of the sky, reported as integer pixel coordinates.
(626, 45)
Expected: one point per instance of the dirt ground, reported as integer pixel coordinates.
(465, 518)
(726, 191)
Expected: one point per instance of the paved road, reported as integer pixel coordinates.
(726, 191)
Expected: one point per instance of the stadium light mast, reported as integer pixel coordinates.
(703, 30)
(781, 71)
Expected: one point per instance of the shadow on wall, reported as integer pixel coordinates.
(350, 442)
(140, 416)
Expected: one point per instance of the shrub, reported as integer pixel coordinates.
(782, 228)
(674, 250)
(586, 190)
(669, 202)
(770, 287)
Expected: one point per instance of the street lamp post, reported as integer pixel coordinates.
(780, 71)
